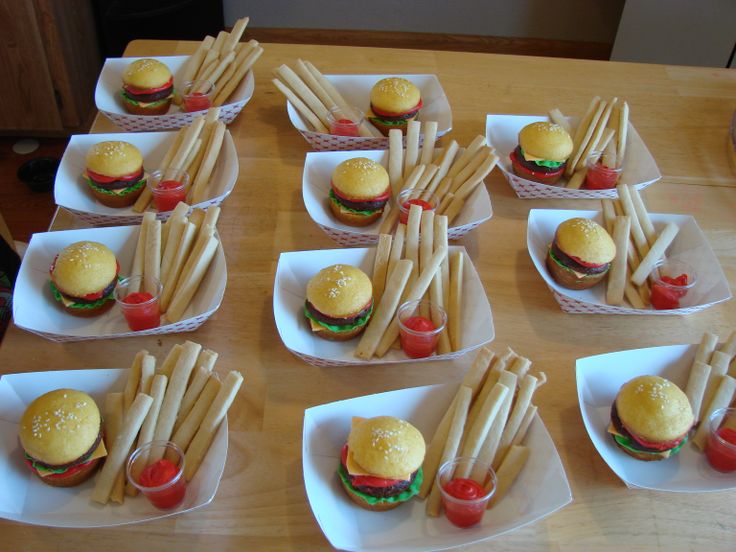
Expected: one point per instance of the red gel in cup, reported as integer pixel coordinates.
(466, 484)
(345, 124)
(720, 448)
(162, 480)
(168, 189)
(198, 96)
(407, 198)
(139, 302)
(673, 279)
(420, 326)
(601, 177)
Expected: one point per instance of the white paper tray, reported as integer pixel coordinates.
(599, 379)
(318, 169)
(540, 490)
(294, 271)
(690, 246)
(72, 192)
(356, 90)
(26, 499)
(502, 132)
(109, 85)
(36, 310)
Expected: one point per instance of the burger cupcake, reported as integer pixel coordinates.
(83, 278)
(61, 436)
(148, 87)
(114, 173)
(359, 190)
(380, 465)
(581, 253)
(542, 153)
(650, 418)
(339, 302)
(394, 102)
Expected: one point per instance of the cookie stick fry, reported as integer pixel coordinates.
(521, 403)
(430, 135)
(194, 62)
(583, 127)
(722, 398)
(411, 154)
(300, 106)
(380, 266)
(188, 427)
(366, 129)
(648, 263)
(455, 306)
(152, 258)
(113, 419)
(119, 450)
(426, 244)
(395, 160)
(134, 378)
(508, 471)
(286, 74)
(622, 133)
(397, 248)
(158, 388)
(617, 275)
(460, 407)
(472, 379)
(718, 369)
(386, 309)
(215, 414)
(696, 384)
(204, 365)
(181, 255)
(229, 87)
(415, 292)
(188, 286)
(389, 220)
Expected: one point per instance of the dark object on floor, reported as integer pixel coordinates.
(39, 173)
(120, 21)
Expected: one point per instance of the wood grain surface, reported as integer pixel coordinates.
(681, 113)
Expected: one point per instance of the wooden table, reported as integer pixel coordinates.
(681, 113)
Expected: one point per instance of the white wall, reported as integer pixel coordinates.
(578, 20)
(681, 32)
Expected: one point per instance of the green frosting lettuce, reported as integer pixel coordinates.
(336, 201)
(38, 467)
(362, 321)
(403, 496)
(130, 189)
(130, 100)
(545, 162)
(389, 123)
(109, 297)
(629, 444)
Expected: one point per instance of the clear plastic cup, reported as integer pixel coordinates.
(720, 448)
(666, 292)
(345, 124)
(140, 309)
(149, 477)
(420, 325)
(408, 197)
(600, 176)
(169, 189)
(198, 95)
(466, 484)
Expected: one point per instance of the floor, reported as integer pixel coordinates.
(25, 211)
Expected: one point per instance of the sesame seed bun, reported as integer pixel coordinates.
(387, 447)
(546, 141)
(84, 267)
(60, 426)
(146, 73)
(585, 239)
(395, 95)
(114, 158)
(654, 409)
(340, 290)
(360, 178)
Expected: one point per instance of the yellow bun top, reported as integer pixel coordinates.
(585, 239)
(654, 408)
(395, 95)
(60, 426)
(146, 73)
(546, 140)
(340, 290)
(84, 267)
(114, 158)
(387, 447)
(360, 178)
